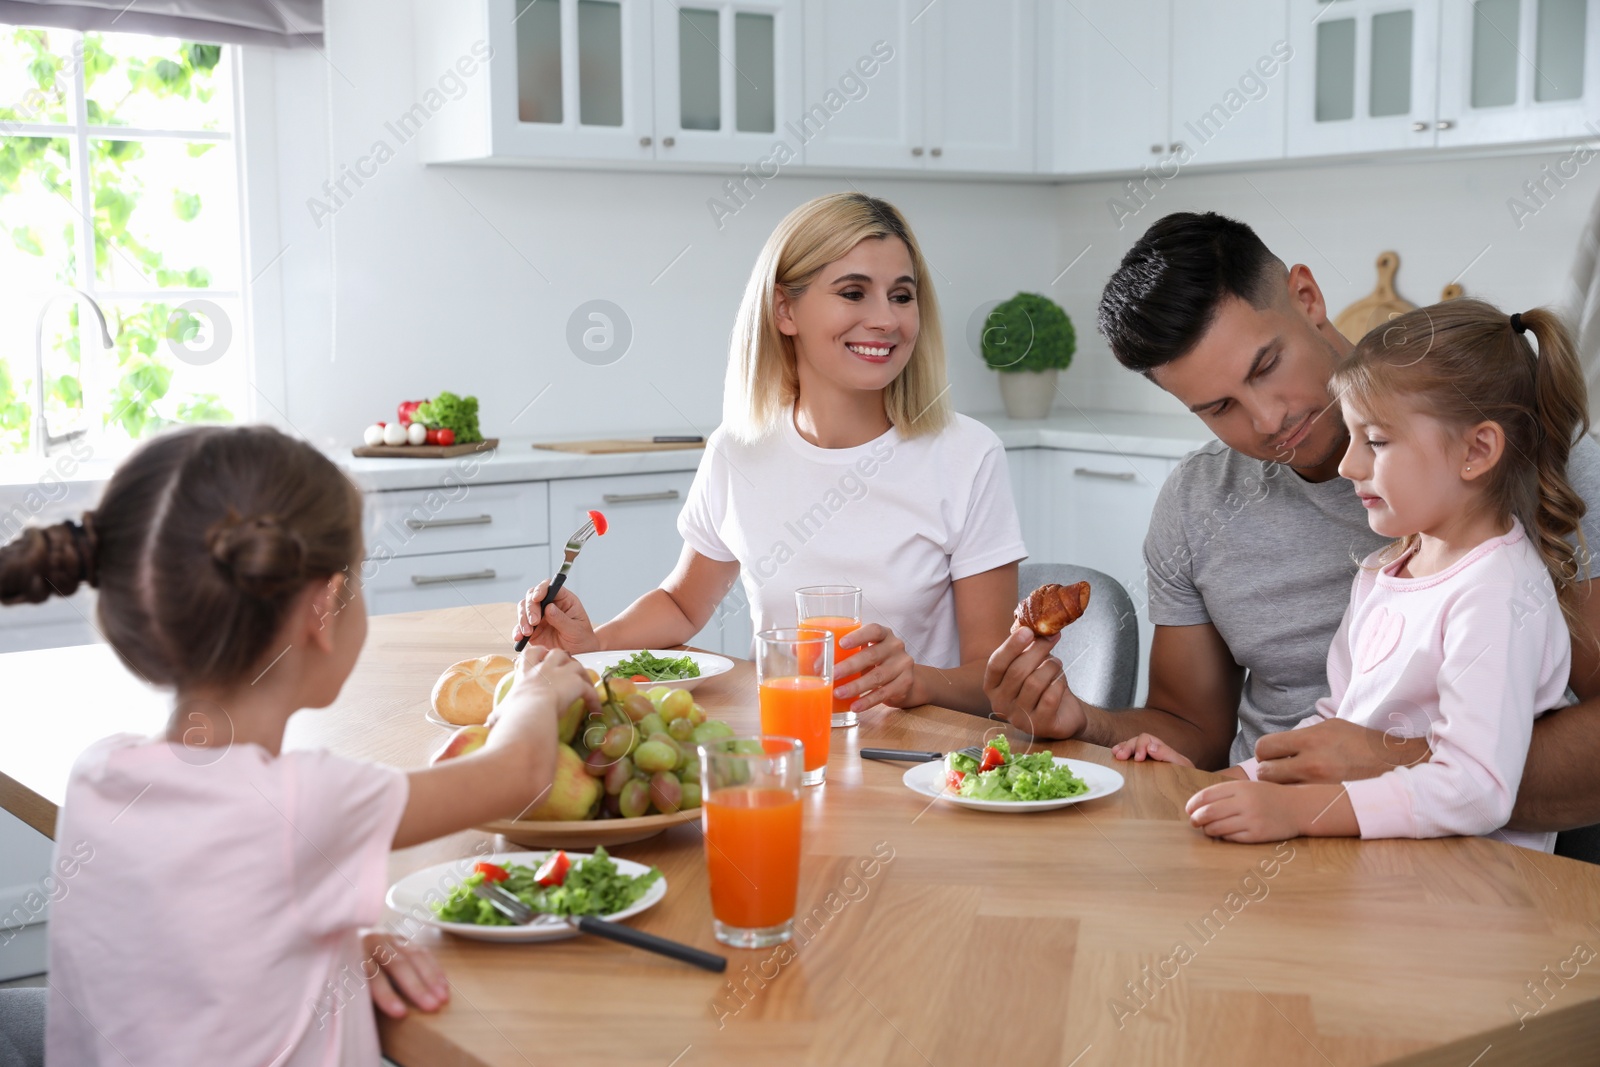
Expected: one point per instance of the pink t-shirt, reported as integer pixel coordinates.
(220, 901)
(1467, 658)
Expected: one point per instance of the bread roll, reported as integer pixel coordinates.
(464, 693)
(1051, 608)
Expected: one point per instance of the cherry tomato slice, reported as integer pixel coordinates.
(491, 872)
(639, 678)
(992, 758)
(553, 871)
(953, 779)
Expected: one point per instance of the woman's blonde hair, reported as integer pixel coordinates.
(1466, 362)
(762, 381)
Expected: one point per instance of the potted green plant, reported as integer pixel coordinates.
(1028, 339)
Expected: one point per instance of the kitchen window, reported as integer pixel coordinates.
(119, 178)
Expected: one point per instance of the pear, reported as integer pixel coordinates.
(572, 795)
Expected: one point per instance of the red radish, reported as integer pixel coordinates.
(599, 521)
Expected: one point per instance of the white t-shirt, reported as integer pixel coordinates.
(900, 518)
(209, 911)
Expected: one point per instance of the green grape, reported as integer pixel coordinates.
(619, 741)
(676, 704)
(654, 756)
(691, 796)
(618, 775)
(665, 792)
(681, 729)
(634, 800)
(652, 724)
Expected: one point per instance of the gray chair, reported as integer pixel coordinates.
(1101, 650)
(22, 1026)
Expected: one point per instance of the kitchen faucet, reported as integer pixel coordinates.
(42, 441)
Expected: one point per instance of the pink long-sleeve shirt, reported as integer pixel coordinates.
(1467, 658)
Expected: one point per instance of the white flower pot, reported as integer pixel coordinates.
(1028, 394)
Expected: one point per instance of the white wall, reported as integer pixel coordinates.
(463, 278)
(1439, 215)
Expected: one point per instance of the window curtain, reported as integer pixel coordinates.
(275, 23)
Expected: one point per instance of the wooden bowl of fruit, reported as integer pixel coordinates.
(624, 773)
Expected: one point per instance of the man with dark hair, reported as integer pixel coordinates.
(1255, 538)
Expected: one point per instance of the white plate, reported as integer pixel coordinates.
(710, 665)
(434, 717)
(928, 779)
(412, 895)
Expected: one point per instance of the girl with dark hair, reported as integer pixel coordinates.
(1460, 630)
(230, 881)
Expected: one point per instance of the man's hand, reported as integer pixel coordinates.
(1335, 751)
(1027, 688)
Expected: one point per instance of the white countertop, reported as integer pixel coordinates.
(516, 460)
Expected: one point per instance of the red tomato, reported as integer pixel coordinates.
(553, 871)
(992, 758)
(639, 678)
(491, 873)
(447, 436)
(953, 779)
(433, 436)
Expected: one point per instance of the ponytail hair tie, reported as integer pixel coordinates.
(1516, 322)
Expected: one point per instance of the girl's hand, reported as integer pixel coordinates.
(1248, 812)
(564, 624)
(1150, 747)
(548, 681)
(404, 973)
(885, 670)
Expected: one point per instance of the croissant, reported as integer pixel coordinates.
(1051, 608)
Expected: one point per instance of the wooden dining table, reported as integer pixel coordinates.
(1107, 932)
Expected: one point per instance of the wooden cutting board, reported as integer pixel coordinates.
(608, 446)
(1379, 307)
(424, 451)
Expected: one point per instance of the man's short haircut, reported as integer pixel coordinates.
(1162, 298)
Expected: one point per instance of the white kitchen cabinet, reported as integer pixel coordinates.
(452, 579)
(1110, 78)
(1365, 77)
(24, 897)
(639, 549)
(950, 89)
(1229, 80)
(456, 517)
(568, 80)
(1024, 466)
(1517, 70)
(1099, 507)
(727, 76)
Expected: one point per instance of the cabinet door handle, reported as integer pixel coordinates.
(434, 524)
(1444, 124)
(1155, 150)
(917, 151)
(1116, 476)
(935, 152)
(638, 498)
(644, 142)
(485, 575)
(1175, 146)
(1418, 127)
(668, 142)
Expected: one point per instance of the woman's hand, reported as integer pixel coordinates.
(886, 670)
(403, 972)
(1150, 747)
(1249, 812)
(564, 624)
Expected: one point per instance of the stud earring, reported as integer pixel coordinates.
(1469, 468)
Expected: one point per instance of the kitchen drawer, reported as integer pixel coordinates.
(415, 522)
(639, 549)
(453, 579)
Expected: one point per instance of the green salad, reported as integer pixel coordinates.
(656, 668)
(999, 775)
(590, 886)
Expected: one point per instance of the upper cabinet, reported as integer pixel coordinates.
(909, 85)
(727, 74)
(1517, 70)
(1384, 75)
(1164, 84)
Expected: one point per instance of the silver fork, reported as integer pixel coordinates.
(511, 906)
(574, 546)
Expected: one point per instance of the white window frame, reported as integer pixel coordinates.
(80, 132)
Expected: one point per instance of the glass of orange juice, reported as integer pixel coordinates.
(837, 609)
(794, 676)
(751, 816)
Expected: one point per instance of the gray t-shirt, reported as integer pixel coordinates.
(1267, 558)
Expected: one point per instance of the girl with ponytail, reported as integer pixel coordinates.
(220, 914)
(1461, 421)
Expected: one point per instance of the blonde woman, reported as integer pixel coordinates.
(839, 460)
